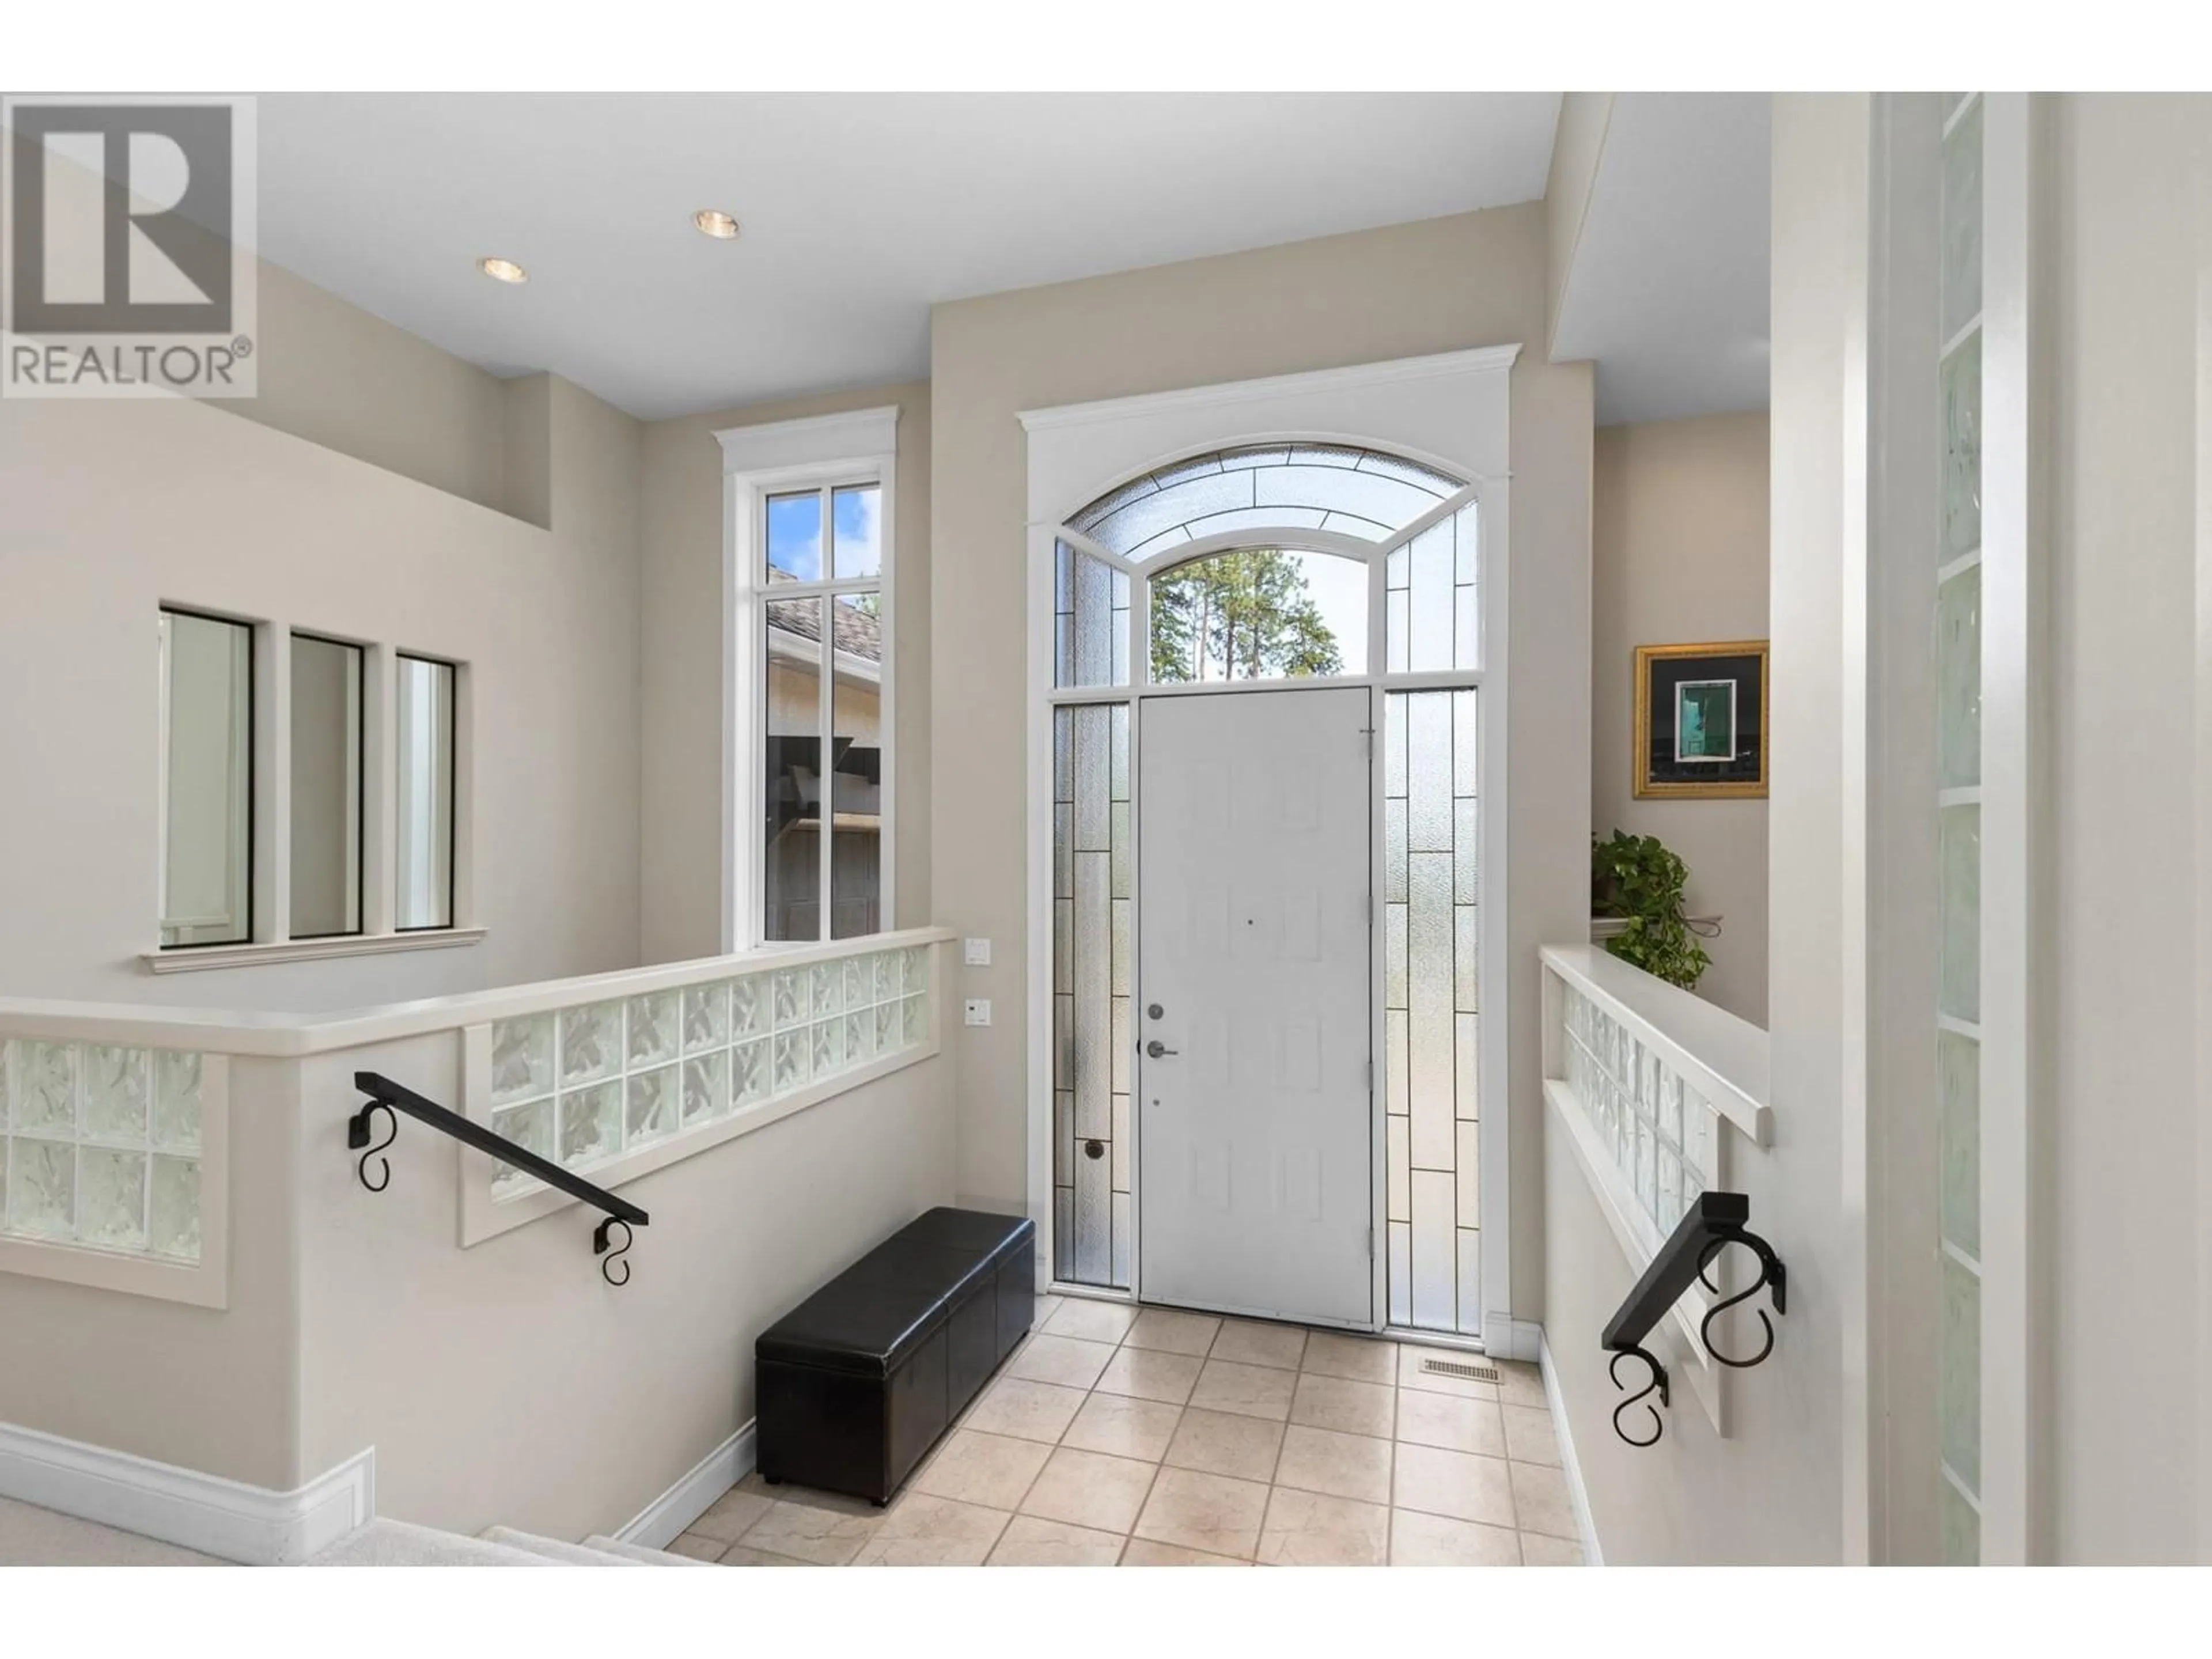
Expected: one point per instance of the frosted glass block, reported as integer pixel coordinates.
(706, 1016)
(1669, 1192)
(883, 969)
(591, 1042)
(1466, 1075)
(1470, 1282)
(1466, 1177)
(1466, 867)
(41, 1188)
(522, 1058)
(1962, 222)
(828, 1038)
(1959, 1069)
(1399, 1238)
(749, 1073)
(792, 1052)
(590, 1124)
(654, 1023)
(1397, 1086)
(1959, 980)
(116, 1086)
(1093, 1216)
(1960, 1409)
(826, 987)
(173, 1210)
(913, 1021)
(1429, 771)
(45, 1096)
(111, 1199)
(655, 1104)
(1467, 959)
(705, 1088)
(855, 982)
(1124, 1239)
(747, 1007)
(792, 991)
(917, 968)
(1962, 1529)
(1962, 450)
(1959, 680)
(1436, 1253)
(1398, 1184)
(889, 1020)
(861, 1036)
(530, 1128)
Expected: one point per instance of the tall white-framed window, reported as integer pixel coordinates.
(1265, 549)
(206, 779)
(810, 573)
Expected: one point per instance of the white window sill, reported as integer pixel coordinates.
(195, 958)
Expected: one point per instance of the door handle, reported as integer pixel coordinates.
(1159, 1050)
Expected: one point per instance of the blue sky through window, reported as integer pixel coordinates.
(794, 535)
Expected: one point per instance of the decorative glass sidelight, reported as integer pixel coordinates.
(1958, 540)
(100, 1147)
(1431, 1006)
(1093, 893)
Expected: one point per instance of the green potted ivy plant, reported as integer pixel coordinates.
(1638, 880)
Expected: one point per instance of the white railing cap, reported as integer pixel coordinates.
(1726, 1058)
(286, 1037)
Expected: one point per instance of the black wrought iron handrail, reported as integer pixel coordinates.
(1713, 1222)
(390, 1099)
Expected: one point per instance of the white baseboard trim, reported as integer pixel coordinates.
(1575, 1491)
(661, 1521)
(228, 1519)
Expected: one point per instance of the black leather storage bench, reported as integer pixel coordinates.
(858, 1382)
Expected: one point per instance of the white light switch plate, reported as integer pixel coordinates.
(975, 953)
(979, 1011)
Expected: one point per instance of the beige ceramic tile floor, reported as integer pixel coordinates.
(1149, 1437)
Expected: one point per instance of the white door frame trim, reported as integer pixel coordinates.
(1453, 411)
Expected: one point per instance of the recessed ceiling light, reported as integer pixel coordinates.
(503, 270)
(712, 222)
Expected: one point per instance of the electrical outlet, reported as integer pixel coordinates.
(979, 1011)
(975, 953)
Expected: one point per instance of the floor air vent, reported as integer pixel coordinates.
(1464, 1370)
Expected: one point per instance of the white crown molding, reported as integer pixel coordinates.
(660, 1522)
(1480, 359)
(1571, 1466)
(227, 1519)
(811, 441)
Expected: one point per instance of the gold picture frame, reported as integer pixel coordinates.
(1707, 741)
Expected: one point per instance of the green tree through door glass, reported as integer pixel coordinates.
(1257, 614)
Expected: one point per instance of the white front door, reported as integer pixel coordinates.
(1255, 1141)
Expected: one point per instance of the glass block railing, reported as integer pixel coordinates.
(100, 1147)
(590, 1084)
(1657, 1126)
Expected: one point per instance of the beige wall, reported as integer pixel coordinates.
(1444, 284)
(1678, 554)
(114, 507)
(682, 742)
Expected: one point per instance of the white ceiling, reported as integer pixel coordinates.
(859, 211)
(1668, 292)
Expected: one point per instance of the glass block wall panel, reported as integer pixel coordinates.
(1090, 620)
(586, 1085)
(1661, 1130)
(858, 740)
(791, 801)
(1093, 858)
(1357, 492)
(1958, 538)
(1431, 1006)
(1433, 619)
(100, 1147)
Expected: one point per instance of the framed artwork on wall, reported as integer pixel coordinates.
(1701, 719)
